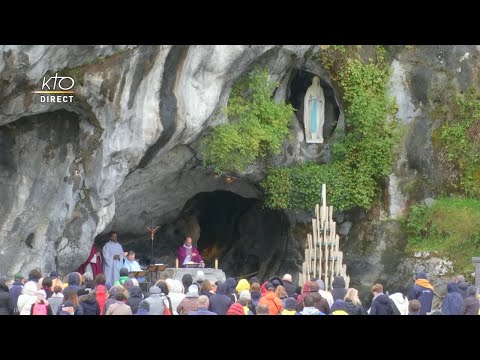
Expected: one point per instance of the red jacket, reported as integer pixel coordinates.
(102, 296)
(236, 309)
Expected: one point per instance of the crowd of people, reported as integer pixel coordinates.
(89, 295)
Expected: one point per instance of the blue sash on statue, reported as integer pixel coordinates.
(313, 115)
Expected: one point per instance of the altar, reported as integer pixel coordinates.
(210, 273)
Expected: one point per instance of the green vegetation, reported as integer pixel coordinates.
(362, 158)
(460, 139)
(258, 129)
(450, 227)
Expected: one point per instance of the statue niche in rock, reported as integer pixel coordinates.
(314, 112)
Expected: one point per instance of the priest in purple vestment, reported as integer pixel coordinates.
(187, 253)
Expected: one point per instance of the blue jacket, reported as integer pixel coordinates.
(338, 288)
(220, 303)
(381, 305)
(452, 304)
(201, 311)
(135, 298)
(462, 288)
(424, 295)
(73, 284)
(15, 292)
(89, 304)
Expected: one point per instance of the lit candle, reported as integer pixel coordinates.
(216, 263)
(176, 263)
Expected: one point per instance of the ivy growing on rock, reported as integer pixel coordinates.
(361, 159)
(257, 126)
(460, 139)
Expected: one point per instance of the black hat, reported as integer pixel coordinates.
(269, 286)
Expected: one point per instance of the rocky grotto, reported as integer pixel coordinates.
(126, 154)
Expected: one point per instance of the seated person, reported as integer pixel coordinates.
(187, 254)
(131, 264)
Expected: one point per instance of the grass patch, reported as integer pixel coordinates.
(450, 227)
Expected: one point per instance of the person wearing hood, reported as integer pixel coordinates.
(453, 301)
(156, 301)
(190, 302)
(89, 303)
(143, 308)
(338, 288)
(309, 308)
(102, 294)
(325, 294)
(401, 302)
(220, 303)
(243, 284)
(339, 307)
(230, 291)
(471, 304)
(271, 300)
(27, 298)
(135, 298)
(301, 297)
(74, 280)
(353, 306)
(423, 291)
(288, 285)
(381, 302)
(6, 303)
(462, 285)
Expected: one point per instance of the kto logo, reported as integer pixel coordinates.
(57, 87)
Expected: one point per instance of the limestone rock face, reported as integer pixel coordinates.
(127, 152)
(125, 148)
